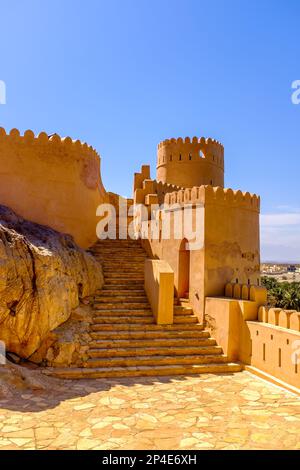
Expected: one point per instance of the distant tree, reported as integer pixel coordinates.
(269, 282)
(283, 295)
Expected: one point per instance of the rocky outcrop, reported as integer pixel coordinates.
(68, 344)
(43, 276)
(15, 379)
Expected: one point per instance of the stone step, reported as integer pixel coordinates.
(130, 258)
(121, 297)
(116, 261)
(184, 303)
(118, 279)
(112, 268)
(116, 252)
(145, 328)
(116, 245)
(118, 242)
(154, 351)
(182, 310)
(134, 335)
(105, 299)
(136, 250)
(121, 305)
(142, 371)
(125, 282)
(122, 312)
(131, 297)
(121, 260)
(122, 287)
(182, 319)
(123, 272)
(123, 275)
(121, 257)
(138, 272)
(110, 292)
(152, 343)
(126, 341)
(155, 360)
(122, 246)
(114, 320)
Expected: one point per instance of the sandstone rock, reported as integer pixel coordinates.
(67, 345)
(43, 276)
(14, 378)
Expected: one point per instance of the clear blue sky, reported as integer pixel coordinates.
(125, 74)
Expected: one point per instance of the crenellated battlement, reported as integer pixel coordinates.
(214, 195)
(65, 145)
(144, 186)
(170, 150)
(51, 180)
(188, 140)
(190, 162)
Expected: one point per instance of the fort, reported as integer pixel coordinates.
(164, 305)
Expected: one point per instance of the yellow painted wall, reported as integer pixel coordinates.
(159, 286)
(273, 350)
(232, 244)
(265, 338)
(229, 250)
(55, 182)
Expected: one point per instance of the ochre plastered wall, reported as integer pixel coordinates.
(159, 286)
(276, 351)
(52, 181)
(148, 191)
(229, 241)
(227, 318)
(232, 245)
(190, 162)
(265, 338)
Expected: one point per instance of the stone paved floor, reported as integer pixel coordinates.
(206, 412)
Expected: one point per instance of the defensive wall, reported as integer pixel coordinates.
(52, 181)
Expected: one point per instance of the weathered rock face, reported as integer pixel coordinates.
(43, 276)
(15, 379)
(67, 345)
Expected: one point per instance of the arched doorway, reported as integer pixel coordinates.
(184, 270)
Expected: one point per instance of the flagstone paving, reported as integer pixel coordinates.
(236, 411)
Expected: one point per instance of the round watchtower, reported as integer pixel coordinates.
(190, 162)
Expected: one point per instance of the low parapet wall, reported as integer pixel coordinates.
(227, 317)
(289, 319)
(52, 181)
(159, 286)
(254, 293)
(276, 351)
(267, 339)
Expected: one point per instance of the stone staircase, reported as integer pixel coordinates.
(125, 339)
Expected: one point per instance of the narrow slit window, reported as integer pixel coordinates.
(279, 357)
